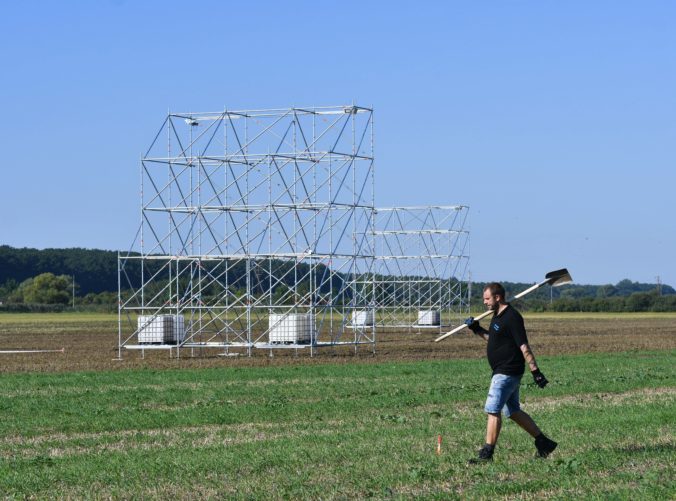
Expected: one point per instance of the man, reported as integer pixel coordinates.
(507, 352)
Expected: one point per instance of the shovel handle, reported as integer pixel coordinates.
(462, 326)
(521, 294)
(530, 289)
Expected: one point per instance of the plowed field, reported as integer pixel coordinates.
(90, 343)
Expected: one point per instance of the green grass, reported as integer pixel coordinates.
(50, 318)
(86, 317)
(338, 432)
(585, 315)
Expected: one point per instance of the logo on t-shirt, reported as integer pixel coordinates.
(496, 327)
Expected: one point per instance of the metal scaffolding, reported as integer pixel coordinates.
(422, 267)
(256, 232)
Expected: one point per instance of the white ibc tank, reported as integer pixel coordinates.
(362, 317)
(291, 327)
(162, 329)
(428, 317)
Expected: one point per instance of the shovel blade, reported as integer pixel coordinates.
(558, 277)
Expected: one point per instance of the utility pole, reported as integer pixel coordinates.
(73, 291)
(659, 285)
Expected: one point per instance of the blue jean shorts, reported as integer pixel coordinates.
(503, 395)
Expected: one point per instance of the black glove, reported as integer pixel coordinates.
(472, 325)
(539, 378)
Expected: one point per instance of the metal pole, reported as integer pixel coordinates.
(119, 309)
(7, 352)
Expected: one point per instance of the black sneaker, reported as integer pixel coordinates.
(545, 446)
(485, 455)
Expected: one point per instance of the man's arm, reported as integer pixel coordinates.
(474, 326)
(529, 357)
(538, 376)
(483, 333)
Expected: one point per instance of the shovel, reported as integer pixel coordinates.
(553, 278)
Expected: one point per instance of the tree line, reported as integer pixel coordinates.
(53, 279)
(94, 270)
(625, 296)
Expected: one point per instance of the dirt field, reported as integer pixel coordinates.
(90, 343)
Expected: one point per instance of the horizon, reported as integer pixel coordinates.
(574, 283)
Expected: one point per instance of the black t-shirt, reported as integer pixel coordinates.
(505, 336)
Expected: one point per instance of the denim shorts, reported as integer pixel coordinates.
(503, 395)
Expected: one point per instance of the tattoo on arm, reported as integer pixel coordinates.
(528, 355)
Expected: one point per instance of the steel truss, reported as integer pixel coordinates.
(252, 221)
(422, 267)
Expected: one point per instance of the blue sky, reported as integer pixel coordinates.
(554, 121)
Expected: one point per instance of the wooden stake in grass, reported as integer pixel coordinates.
(438, 445)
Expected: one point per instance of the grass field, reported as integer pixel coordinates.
(348, 431)
(337, 426)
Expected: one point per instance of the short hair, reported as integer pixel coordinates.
(496, 289)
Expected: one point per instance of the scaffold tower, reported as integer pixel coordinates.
(256, 232)
(422, 267)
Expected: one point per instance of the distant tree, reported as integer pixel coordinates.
(102, 298)
(574, 292)
(665, 303)
(626, 287)
(565, 304)
(281, 294)
(46, 288)
(586, 303)
(614, 304)
(640, 301)
(16, 296)
(7, 288)
(606, 291)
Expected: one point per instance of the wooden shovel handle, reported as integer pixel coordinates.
(462, 326)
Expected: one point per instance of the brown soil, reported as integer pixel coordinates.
(93, 347)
